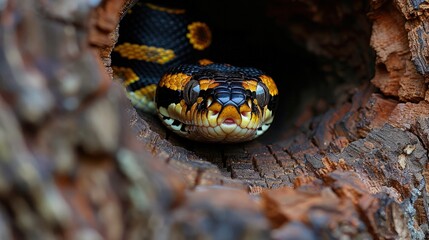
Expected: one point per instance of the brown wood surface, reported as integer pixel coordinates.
(78, 162)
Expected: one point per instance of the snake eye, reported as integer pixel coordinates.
(262, 95)
(191, 92)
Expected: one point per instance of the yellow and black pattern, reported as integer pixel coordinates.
(206, 101)
(199, 35)
(145, 53)
(153, 37)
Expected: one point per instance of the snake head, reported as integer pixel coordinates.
(216, 102)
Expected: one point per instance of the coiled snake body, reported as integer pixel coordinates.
(204, 101)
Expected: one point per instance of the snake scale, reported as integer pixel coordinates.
(158, 56)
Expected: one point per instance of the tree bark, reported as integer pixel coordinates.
(78, 162)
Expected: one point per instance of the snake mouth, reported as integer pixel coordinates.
(226, 131)
(223, 124)
(229, 121)
(223, 133)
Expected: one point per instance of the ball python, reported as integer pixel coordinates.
(159, 57)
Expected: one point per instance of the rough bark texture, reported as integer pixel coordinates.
(77, 162)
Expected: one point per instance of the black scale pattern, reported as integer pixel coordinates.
(217, 68)
(230, 90)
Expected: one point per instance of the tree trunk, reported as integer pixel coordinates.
(346, 157)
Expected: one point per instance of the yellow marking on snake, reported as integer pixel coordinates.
(126, 74)
(208, 83)
(269, 82)
(143, 98)
(164, 9)
(250, 85)
(174, 81)
(204, 62)
(199, 35)
(229, 112)
(145, 53)
(148, 91)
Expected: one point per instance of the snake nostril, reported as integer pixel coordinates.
(215, 112)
